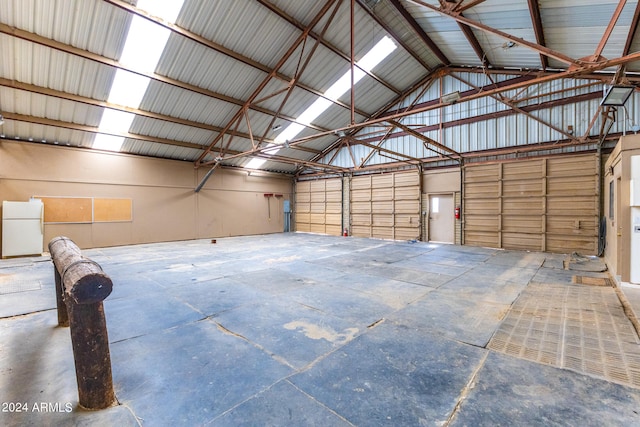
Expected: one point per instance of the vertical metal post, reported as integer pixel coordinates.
(91, 355)
(63, 314)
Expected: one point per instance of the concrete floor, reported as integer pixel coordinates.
(299, 329)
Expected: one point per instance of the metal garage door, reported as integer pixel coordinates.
(319, 206)
(543, 204)
(386, 206)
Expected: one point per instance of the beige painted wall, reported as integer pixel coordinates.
(441, 181)
(618, 242)
(165, 206)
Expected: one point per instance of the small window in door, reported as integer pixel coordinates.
(611, 200)
(435, 205)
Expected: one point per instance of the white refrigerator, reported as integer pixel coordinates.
(22, 228)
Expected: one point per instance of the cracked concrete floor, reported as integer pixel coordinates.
(301, 329)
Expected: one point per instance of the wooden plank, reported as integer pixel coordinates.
(482, 189)
(361, 219)
(381, 220)
(317, 218)
(317, 196)
(317, 207)
(333, 207)
(361, 207)
(407, 193)
(384, 207)
(523, 188)
(482, 207)
(360, 196)
(572, 166)
(303, 226)
(487, 223)
(522, 241)
(303, 197)
(523, 205)
(303, 186)
(572, 185)
(407, 221)
(482, 173)
(317, 186)
(333, 196)
(361, 183)
(410, 233)
(382, 194)
(360, 231)
(569, 244)
(406, 179)
(333, 230)
(522, 224)
(523, 170)
(481, 238)
(381, 181)
(572, 206)
(303, 207)
(112, 210)
(303, 217)
(317, 228)
(407, 206)
(382, 233)
(334, 185)
(333, 219)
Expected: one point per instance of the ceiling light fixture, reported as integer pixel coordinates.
(617, 96)
(450, 98)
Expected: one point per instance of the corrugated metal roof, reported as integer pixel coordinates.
(208, 82)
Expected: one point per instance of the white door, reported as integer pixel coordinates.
(441, 218)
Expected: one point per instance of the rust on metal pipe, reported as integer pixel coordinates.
(82, 279)
(81, 286)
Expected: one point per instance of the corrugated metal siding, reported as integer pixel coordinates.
(177, 102)
(508, 131)
(392, 17)
(34, 64)
(191, 62)
(172, 131)
(92, 25)
(244, 26)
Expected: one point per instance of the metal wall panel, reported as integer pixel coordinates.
(319, 206)
(386, 206)
(542, 204)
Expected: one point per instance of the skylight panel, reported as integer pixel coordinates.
(116, 121)
(255, 163)
(128, 89)
(143, 48)
(167, 10)
(375, 56)
(144, 45)
(108, 142)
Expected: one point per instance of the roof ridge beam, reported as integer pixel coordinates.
(536, 47)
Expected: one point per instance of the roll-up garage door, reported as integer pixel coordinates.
(319, 206)
(543, 204)
(386, 206)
